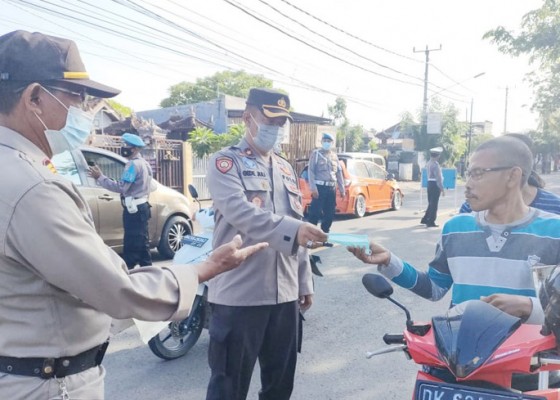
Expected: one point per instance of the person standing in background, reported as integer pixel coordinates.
(134, 187)
(435, 187)
(324, 174)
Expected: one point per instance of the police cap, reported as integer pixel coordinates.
(133, 140)
(272, 103)
(34, 57)
(327, 136)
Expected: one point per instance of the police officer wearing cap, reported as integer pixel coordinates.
(59, 283)
(435, 187)
(255, 310)
(134, 188)
(325, 174)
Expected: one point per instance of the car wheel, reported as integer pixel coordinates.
(397, 200)
(172, 235)
(360, 206)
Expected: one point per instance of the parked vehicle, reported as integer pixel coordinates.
(179, 337)
(376, 158)
(473, 352)
(369, 188)
(171, 211)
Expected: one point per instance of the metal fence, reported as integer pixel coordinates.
(164, 155)
(200, 165)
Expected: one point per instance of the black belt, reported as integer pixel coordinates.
(47, 368)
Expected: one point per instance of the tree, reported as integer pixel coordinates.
(118, 107)
(233, 83)
(204, 141)
(540, 40)
(354, 138)
(338, 112)
(453, 133)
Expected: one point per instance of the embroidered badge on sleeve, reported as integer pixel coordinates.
(224, 164)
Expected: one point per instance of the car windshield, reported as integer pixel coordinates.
(66, 166)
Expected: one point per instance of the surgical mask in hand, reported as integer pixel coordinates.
(347, 239)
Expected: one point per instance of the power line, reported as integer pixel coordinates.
(317, 48)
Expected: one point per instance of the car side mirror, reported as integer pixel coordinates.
(390, 176)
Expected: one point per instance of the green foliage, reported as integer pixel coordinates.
(354, 138)
(452, 138)
(233, 83)
(118, 107)
(372, 145)
(540, 40)
(338, 111)
(204, 141)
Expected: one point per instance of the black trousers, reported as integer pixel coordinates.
(323, 207)
(136, 237)
(433, 200)
(241, 335)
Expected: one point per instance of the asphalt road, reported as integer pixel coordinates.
(344, 322)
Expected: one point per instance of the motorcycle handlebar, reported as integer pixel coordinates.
(393, 339)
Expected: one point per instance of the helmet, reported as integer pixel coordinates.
(549, 296)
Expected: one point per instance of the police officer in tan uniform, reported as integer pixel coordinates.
(59, 283)
(134, 187)
(255, 310)
(325, 175)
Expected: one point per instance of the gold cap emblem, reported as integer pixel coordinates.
(282, 102)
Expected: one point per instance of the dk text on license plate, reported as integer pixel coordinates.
(425, 390)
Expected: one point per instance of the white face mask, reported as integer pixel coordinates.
(267, 136)
(326, 145)
(73, 134)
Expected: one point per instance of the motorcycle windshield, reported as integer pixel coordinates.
(469, 333)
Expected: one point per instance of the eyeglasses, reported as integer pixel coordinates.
(82, 93)
(476, 174)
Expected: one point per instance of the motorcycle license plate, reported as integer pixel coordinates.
(195, 241)
(425, 390)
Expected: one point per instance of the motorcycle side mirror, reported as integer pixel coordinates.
(193, 192)
(381, 288)
(390, 176)
(377, 286)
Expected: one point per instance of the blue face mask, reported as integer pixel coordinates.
(73, 134)
(268, 136)
(346, 239)
(326, 145)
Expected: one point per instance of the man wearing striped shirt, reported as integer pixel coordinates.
(487, 254)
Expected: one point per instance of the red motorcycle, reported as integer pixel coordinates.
(473, 352)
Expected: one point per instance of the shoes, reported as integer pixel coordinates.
(432, 225)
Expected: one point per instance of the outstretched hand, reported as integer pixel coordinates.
(377, 254)
(226, 257)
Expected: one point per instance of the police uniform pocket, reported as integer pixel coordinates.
(294, 195)
(257, 191)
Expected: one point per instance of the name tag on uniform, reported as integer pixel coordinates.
(194, 241)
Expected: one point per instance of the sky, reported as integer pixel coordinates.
(371, 53)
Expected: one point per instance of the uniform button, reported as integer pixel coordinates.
(36, 371)
(48, 369)
(9, 368)
(65, 363)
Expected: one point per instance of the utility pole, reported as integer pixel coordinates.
(505, 112)
(425, 102)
